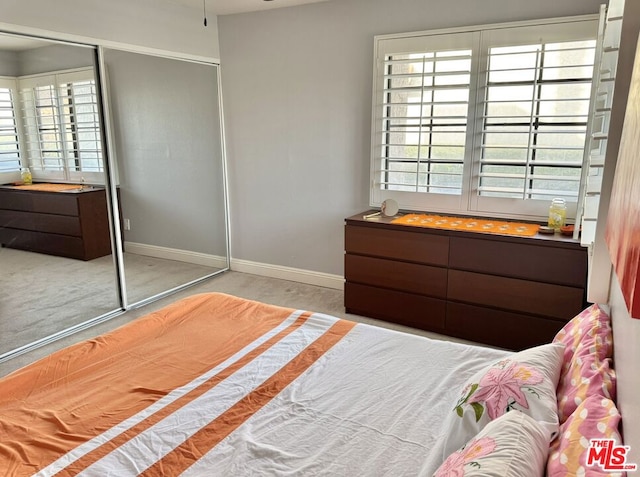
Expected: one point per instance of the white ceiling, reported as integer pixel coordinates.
(213, 7)
(226, 7)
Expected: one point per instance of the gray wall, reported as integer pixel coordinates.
(9, 65)
(297, 92)
(54, 58)
(168, 148)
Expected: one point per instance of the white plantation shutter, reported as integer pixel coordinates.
(602, 100)
(39, 107)
(426, 103)
(9, 142)
(492, 120)
(60, 114)
(536, 86)
(79, 110)
(421, 133)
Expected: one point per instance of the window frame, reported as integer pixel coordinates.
(468, 202)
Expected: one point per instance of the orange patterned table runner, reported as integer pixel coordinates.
(469, 224)
(49, 187)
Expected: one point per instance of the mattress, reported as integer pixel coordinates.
(218, 385)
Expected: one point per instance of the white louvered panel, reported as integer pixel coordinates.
(609, 64)
(535, 120)
(588, 231)
(589, 219)
(425, 121)
(61, 118)
(597, 161)
(612, 34)
(605, 76)
(594, 181)
(591, 207)
(615, 10)
(9, 145)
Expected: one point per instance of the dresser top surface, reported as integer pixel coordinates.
(378, 221)
(49, 188)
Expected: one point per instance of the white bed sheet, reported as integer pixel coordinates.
(219, 386)
(372, 405)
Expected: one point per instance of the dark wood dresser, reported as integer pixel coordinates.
(70, 224)
(506, 291)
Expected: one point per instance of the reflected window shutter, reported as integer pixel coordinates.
(9, 144)
(60, 114)
(81, 125)
(39, 107)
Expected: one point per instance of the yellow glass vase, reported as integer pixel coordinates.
(27, 178)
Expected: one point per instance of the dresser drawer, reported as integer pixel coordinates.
(404, 276)
(555, 301)
(563, 266)
(54, 244)
(57, 224)
(499, 328)
(46, 203)
(400, 307)
(399, 245)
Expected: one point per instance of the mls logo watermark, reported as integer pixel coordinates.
(608, 456)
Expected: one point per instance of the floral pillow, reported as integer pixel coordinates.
(586, 376)
(587, 333)
(595, 418)
(513, 445)
(525, 381)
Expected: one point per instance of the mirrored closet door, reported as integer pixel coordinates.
(56, 268)
(123, 207)
(168, 158)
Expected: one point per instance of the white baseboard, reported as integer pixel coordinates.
(320, 279)
(178, 255)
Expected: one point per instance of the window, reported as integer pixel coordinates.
(9, 143)
(491, 121)
(62, 125)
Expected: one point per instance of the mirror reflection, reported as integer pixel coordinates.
(168, 155)
(56, 266)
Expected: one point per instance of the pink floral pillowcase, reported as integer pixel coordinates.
(564, 389)
(525, 382)
(514, 445)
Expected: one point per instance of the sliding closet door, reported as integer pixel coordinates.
(168, 156)
(56, 266)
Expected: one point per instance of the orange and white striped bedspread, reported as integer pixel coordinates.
(215, 385)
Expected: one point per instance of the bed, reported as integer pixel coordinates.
(219, 385)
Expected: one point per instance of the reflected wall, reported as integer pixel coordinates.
(168, 155)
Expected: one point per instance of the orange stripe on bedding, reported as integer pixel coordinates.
(209, 436)
(66, 399)
(105, 449)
